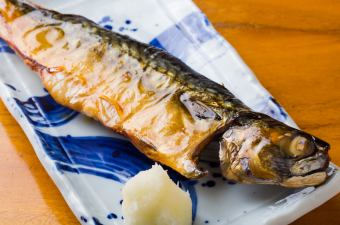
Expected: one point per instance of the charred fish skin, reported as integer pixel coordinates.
(169, 111)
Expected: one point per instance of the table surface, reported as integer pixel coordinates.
(292, 46)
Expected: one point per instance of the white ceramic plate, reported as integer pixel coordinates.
(89, 163)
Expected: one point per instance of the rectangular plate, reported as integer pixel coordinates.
(90, 163)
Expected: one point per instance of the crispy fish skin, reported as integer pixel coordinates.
(169, 111)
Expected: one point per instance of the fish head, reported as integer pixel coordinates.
(259, 149)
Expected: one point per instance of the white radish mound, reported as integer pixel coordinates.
(152, 198)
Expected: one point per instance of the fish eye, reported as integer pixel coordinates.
(296, 145)
(300, 146)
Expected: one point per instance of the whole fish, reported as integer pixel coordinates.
(169, 111)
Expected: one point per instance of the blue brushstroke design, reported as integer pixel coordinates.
(272, 108)
(107, 23)
(83, 218)
(105, 19)
(96, 221)
(112, 216)
(11, 86)
(5, 48)
(108, 157)
(155, 42)
(45, 112)
(108, 27)
(282, 112)
(184, 37)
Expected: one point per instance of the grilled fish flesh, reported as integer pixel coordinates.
(169, 111)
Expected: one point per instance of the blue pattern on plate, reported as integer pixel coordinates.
(107, 157)
(11, 87)
(112, 216)
(283, 114)
(83, 218)
(155, 42)
(193, 31)
(272, 108)
(45, 112)
(5, 48)
(96, 221)
(108, 23)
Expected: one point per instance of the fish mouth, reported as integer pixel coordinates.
(306, 166)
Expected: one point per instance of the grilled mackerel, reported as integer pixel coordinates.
(169, 112)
